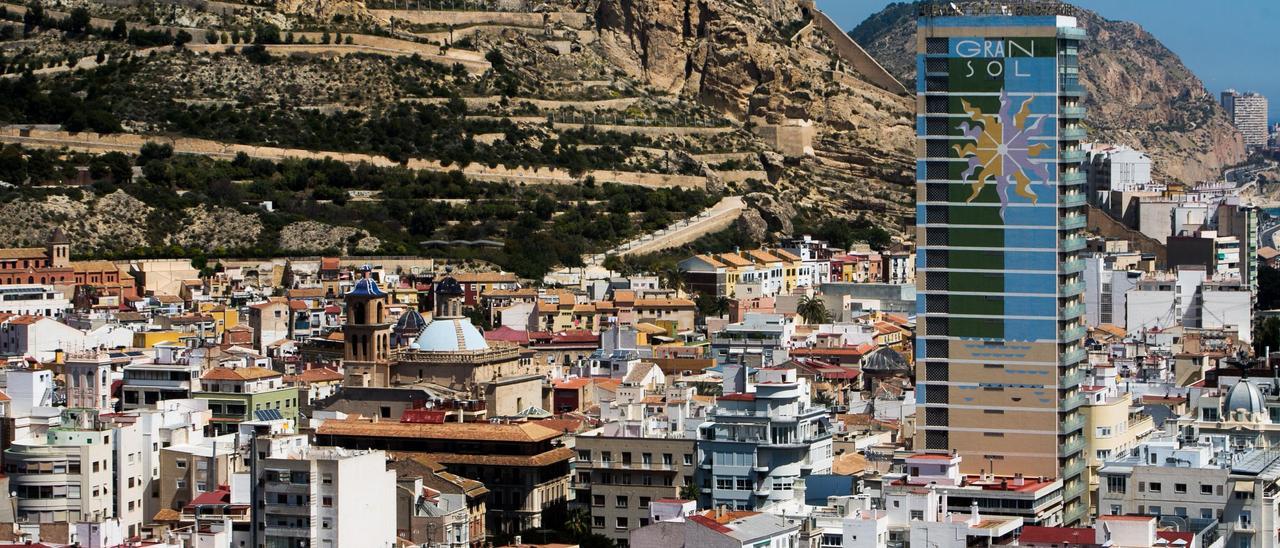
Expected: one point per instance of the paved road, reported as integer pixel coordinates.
(713, 219)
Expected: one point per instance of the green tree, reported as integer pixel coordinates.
(324, 38)
(78, 21)
(1266, 335)
(813, 310)
(183, 38)
(674, 278)
(689, 491)
(211, 37)
(120, 31)
(578, 523)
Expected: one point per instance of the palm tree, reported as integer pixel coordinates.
(690, 491)
(674, 278)
(721, 306)
(578, 523)
(813, 310)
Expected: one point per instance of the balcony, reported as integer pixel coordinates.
(288, 509)
(1070, 402)
(1074, 489)
(1074, 243)
(1072, 424)
(1072, 222)
(1072, 178)
(1074, 466)
(1073, 445)
(1073, 333)
(1071, 312)
(1071, 112)
(1071, 357)
(1071, 379)
(1072, 134)
(1074, 199)
(1071, 156)
(1075, 514)
(1071, 267)
(1071, 289)
(1072, 33)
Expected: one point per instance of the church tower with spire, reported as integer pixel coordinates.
(367, 335)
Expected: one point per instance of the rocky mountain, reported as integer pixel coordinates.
(1139, 92)
(764, 62)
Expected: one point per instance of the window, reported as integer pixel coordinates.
(1206, 513)
(744, 484)
(644, 502)
(1116, 484)
(327, 502)
(1103, 431)
(606, 457)
(667, 460)
(385, 412)
(688, 459)
(1154, 487)
(1153, 510)
(1179, 488)
(584, 456)
(620, 502)
(597, 500)
(1206, 489)
(597, 522)
(1103, 454)
(1116, 510)
(917, 515)
(621, 523)
(326, 478)
(724, 483)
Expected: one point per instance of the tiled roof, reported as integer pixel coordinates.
(664, 303)
(785, 255)
(733, 259)
(542, 459)
(319, 374)
(573, 384)
(710, 260)
(93, 266)
(1058, 535)
(485, 277)
(22, 253)
(471, 431)
(238, 374)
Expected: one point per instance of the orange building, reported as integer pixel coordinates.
(50, 265)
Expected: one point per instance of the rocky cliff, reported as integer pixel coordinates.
(1139, 92)
(764, 62)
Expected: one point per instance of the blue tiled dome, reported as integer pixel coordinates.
(366, 287)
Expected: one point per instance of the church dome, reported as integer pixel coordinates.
(366, 287)
(410, 322)
(1245, 396)
(448, 286)
(450, 335)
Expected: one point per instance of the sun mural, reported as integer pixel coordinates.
(1000, 149)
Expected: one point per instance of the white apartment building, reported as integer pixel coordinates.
(1185, 298)
(327, 497)
(34, 300)
(1117, 168)
(1248, 112)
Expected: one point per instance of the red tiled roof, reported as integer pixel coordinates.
(573, 384)
(318, 374)
(740, 396)
(238, 374)
(220, 496)
(1058, 535)
(507, 334)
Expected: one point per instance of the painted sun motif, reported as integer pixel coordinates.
(1000, 148)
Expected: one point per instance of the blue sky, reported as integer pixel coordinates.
(1235, 43)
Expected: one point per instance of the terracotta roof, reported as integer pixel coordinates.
(167, 514)
(23, 253)
(1111, 329)
(1268, 252)
(849, 464)
(733, 259)
(168, 299)
(760, 255)
(297, 305)
(319, 374)
(573, 384)
(711, 260)
(470, 431)
(4, 397)
(1058, 535)
(485, 277)
(785, 255)
(507, 334)
(307, 293)
(664, 303)
(330, 263)
(270, 302)
(238, 374)
(93, 266)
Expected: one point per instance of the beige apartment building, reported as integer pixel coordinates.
(1112, 426)
(619, 477)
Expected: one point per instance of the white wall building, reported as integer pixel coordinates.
(35, 300)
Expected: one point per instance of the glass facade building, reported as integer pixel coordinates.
(1000, 220)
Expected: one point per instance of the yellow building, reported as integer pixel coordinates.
(792, 266)
(223, 318)
(1112, 426)
(148, 339)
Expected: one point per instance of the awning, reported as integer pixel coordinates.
(1243, 486)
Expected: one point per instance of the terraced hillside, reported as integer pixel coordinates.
(737, 97)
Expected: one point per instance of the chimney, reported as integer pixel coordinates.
(973, 513)
(1018, 481)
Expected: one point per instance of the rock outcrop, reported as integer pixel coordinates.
(1139, 92)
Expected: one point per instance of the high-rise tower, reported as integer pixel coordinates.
(366, 336)
(1000, 216)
